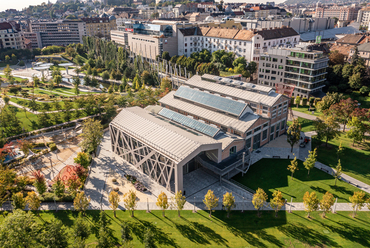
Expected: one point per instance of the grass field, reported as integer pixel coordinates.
(272, 174)
(15, 78)
(364, 100)
(307, 125)
(306, 111)
(355, 160)
(24, 102)
(240, 230)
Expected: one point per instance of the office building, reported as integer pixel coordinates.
(343, 13)
(100, 26)
(301, 67)
(210, 122)
(59, 33)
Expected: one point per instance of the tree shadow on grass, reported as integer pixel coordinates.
(209, 233)
(139, 228)
(341, 189)
(191, 234)
(355, 234)
(67, 217)
(307, 236)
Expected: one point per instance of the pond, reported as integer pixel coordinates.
(15, 154)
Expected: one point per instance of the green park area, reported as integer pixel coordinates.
(240, 230)
(355, 159)
(306, 125)
(272, 174)
(15, 78)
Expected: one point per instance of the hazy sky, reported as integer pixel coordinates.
(20, 4)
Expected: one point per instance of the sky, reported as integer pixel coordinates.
(20, 4)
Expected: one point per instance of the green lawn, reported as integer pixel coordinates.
(306, 111)
(307, 125)
(355, 160)
(24, 102)
(15, 78)
(240, 230)
(227, 74)
(364, 100)
(25, 118)
(272, 174)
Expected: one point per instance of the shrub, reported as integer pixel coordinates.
(364, 90)
(114, 180)
(14, 89)
(333, 89)
(292, 99)
(116, 189)
(53, 147)
(304, 101)
(21, 63)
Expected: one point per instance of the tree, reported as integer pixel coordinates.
(130, 201)
(92, 135)
(336, 58)
(259, 199)
(81, 202)
(355, 56)
(297, 100)
(228, 202)
(33, 201)
(57, 79)
(114, 201)
(328, 100)
(162, 202)
(326, 128)
(311, 202)
(105, 239)
(19, 229)
(125, 233)
(347, 71)
(338, 172)
(326, 203)
(24, 146)
(358, 201)
(166, 84)
(293, 166)
(54, 234)
(211, 201)
(340, 150)
(58, 187)
(149, 238)
(277, 201)
(179, 201)
(294, 133)
(343, 110)
(83, 159)
(105, 75)
(73, 184)
(40, 183)
(166, 56)
(18, 202)
(355, 81)
(80, 228)
(309, 163)
(8, 73)
(357, 130)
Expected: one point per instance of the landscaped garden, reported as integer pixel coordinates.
(240, 230)
(272, 174)
(306, 125)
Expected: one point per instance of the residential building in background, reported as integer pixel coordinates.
(209, 122)
(363, 17)
(11, 36)
(59, 33)
(35, 39)
(363, 51)
(246, 43)
(349, 42)
(343, 13)
(100, 26)
(301, 67)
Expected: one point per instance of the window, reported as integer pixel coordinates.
(186, 50)
(280, 67)
(274, 59)
(282, 125)
(264, 135)
(265, 125)
(249, 133)
(232, 150)
(248, 143)
(257, 129)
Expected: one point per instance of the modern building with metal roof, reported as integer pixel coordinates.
(213, 125)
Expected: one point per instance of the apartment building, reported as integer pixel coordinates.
(247, 43)
(301, 67)
(60, 33)
(363, 16)
(11, 36)
(100, 26)
(343, 13)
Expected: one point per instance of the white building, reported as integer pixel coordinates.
(247, 43)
